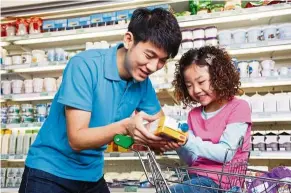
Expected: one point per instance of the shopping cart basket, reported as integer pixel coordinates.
(233, 177)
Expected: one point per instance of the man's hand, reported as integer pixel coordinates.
(135, 128)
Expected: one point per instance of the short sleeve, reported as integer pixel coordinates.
(149, 103)
(241, 113)
(77, 85)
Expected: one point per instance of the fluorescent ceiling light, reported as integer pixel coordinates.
(71, 37)
(242, 17)
(41, 68)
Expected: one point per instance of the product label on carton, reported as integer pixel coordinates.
(48, 24)
(73, 22)
(168, 127)
(60, 23)
(122, 15)
(96, 18)
(84, 21)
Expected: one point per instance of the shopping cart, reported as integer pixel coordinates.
(234, 177)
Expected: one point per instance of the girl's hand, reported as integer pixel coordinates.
(169, 146)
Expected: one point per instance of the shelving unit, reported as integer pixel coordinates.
(278, 50)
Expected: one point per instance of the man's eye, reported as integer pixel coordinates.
(148, 56)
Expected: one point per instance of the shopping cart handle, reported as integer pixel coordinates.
(124, 141)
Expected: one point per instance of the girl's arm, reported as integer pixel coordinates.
(195, 147)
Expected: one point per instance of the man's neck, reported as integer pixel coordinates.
(121, 53)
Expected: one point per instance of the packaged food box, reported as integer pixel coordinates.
(170, 128)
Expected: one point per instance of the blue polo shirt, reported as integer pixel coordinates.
(91, 82)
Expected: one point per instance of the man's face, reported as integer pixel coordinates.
(143, 59)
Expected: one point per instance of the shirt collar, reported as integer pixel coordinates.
(110, 67)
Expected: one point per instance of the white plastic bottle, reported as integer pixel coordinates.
(1, 136)
(26, 141)
(12, 142)
(5, 142)
(19, 146)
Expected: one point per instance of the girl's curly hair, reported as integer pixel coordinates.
(224, 78)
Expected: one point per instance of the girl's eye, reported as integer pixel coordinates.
(188, 85)
(201, 82)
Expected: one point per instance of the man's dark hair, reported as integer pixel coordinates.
(159, 27)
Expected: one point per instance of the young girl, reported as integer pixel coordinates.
(208, 76)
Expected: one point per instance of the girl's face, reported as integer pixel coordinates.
(197, 80)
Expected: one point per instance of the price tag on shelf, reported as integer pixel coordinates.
(48, 34)
(183, 18)
(44, 94)
(18, 157)
(130, 189)
(4, 157)
(216, 14)
(264, 115)
(8, 96)
(23, 124)
(36, 124)
(80, 31)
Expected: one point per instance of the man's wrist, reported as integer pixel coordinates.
(122, 127)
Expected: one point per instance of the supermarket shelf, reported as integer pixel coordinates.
(9, 190)
(116, 31)
(270, 155)
(21, 126)
(271, 117)
(48, 66)
(265, 82)
(236, 16)
(30, 97)
(70, 35)
(255, 48)
(3, 72)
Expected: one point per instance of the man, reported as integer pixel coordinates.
(100, 91)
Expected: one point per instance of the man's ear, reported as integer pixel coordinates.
(128, 40)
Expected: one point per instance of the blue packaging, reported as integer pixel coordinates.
(74, 22)
(96, 18)
(3, 120)
(39, 118)
(109, 18)
(122, 15)
(85, 21)
(48, 24)
(60, 23)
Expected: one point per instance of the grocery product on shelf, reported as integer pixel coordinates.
(5, 142)
(27, 114)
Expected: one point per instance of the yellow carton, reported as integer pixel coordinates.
(168, 127)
